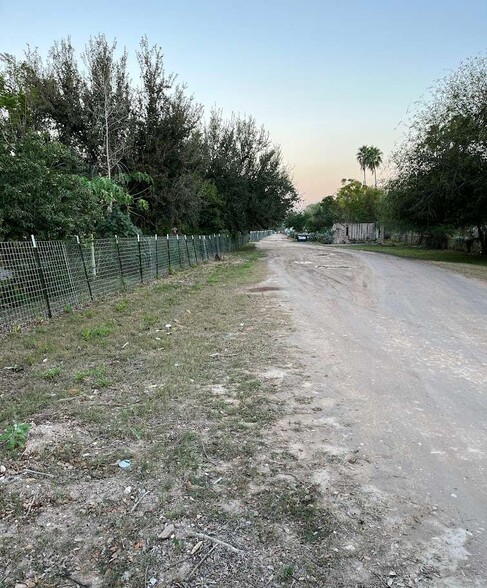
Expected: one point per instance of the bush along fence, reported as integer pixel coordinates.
(41, 279)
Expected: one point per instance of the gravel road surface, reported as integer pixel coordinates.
(395, 353)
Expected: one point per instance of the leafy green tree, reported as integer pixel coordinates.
(356, 202)
(441, 170)
(248, 172)
(323, 214)
(143, 154)
(42, 191)
(296, 220)
(169, 145)
(108, 104)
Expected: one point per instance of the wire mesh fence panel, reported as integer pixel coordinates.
(183, 243)
(148, 251)
(38, 280)
(192, 251)
(60, 276)
(163, 255)
(174, 252)
(211, 247)
(104, 267)
(129, 260)
(21, 293)
(202, 248)
(76, 261)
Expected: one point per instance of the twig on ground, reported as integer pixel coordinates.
(37, 473)
(136, 503)
(214, 540)
(202, 560)
(78, 582)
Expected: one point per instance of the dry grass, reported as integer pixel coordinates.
(186, 405)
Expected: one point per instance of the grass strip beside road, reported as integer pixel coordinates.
(472, 265)
(171, 379)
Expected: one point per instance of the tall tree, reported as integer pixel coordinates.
(374, 160)
(107, 99)
(362, 158)
(248, 172)
(441, 170)
(169, 145)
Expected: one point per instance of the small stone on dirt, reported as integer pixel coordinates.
(167, 532)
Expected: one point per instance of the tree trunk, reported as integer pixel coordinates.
(375, 178)
(482, 229)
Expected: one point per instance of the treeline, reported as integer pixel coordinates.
(440, 182)
(84, 149)
(353, 202)
(438, 186)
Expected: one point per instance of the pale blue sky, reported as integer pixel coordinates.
(323, 77)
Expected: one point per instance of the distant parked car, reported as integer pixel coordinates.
(301, 236)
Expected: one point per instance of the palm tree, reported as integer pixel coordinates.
(362, 158)
(374, 159)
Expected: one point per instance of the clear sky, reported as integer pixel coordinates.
(324, 77)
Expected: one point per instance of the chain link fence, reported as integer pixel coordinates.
(41, 279)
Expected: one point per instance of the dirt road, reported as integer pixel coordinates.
(395, 364)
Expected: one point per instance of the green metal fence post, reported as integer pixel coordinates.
(157, 256)
(140, 259)
(168, 254)
(117, 244)
(41, 276)
(179, 251)
(80, 248)
(187, 251)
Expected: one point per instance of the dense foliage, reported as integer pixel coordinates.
(354, 202)
(83, 149)
(441, 170)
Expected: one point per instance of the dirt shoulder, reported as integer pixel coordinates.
(179, 381)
